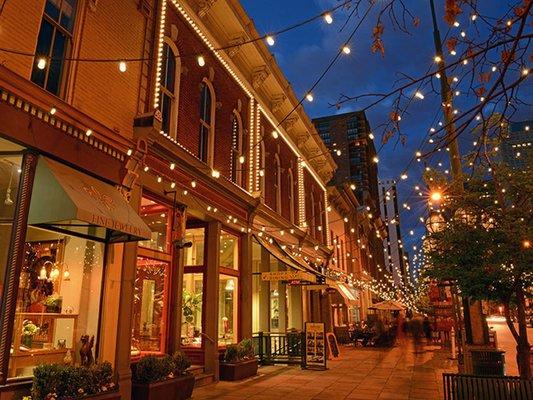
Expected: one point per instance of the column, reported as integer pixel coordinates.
(264, 294)
(246, 288)
(295, 308)
(210, 308)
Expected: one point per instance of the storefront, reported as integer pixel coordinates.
(61, 236)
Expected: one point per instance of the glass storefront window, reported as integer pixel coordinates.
(227, 310)
(191, 319)
(58, 303)
(194, 255)
(149, 307)
(229, 250)
(157, 217)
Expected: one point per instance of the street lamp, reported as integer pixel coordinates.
(435, 196)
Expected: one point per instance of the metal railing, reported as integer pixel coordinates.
(278, 348)
(473, 387)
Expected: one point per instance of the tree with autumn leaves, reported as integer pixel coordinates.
(484, 245)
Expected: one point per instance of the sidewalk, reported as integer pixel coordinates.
(402, 372)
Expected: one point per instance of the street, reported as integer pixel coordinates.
(401, 372)
(507, 343)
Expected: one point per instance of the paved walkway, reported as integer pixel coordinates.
(403, 372)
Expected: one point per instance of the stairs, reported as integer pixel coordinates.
(201, 377)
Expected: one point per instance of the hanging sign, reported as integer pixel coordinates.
(315, 345)
(287, 276)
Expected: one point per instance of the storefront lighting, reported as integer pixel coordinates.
(275, 134)
(88, 132)
(53, 110)
(201, 61)
(173, 185)
(122, 67)
(172, 166)
(129, 152)
(41, 63)
(193, 184)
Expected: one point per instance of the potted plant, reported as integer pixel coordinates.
(29, 330)
(53, 303)
(67, 382)
(162, 378)
(239, 362)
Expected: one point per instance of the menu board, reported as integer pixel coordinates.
(315, 345)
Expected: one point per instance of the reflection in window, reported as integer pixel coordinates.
(227, 310)
(191, 320)
(53, 44)
(194, 255)
(157, 217)
(229, 250)
(149, 306)
(58, 299)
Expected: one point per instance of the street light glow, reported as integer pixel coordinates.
(435, 196)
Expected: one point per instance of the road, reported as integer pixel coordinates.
(506, 342)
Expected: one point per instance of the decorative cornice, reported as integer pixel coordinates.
(204, 7)
(259, 76)
(236, 43)
(290, 123)
(277, 102)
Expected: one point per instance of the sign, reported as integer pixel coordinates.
(333, 346)
(315, 345)
(317, 287)
(287, 276)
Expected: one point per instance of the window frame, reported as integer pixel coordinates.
(207, 143)
(174, 96)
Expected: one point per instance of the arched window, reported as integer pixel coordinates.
(207, 117)
(291, 197)
(277, 183)
(237, 149)
(169, 88)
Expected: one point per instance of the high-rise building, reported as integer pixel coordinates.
(517, 147)
(392, 244)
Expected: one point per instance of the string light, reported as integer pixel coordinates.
(456, 24)
(172, 166)
(53, 111)
(122, 66)
(275, 134)
(41, 63)
(346, 50)
(201, 61)
(438, 59)
(419, 95)
(328, 18)
(309, 97)
(88, 132)
(270, 40)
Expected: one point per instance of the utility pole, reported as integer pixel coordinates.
(476, 330)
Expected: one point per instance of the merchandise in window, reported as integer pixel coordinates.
(229, 250)
(157, 217)
(58, 302)
(227, 310)
(191, 319)
(149, 306)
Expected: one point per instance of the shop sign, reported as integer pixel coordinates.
(315, 345)
(287, 276)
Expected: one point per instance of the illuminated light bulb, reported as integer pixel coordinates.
(352, 186)
(455, 79)
(122, 67)
(173, 185)
(41, 63)
(185, 192)
(526, 244)
(66, 275)
(53, 110)
(419, 95)
(455, 112)
(193, 184)
(201, 61)
(465, 62)
(418, 154)
(371, 136)
(525, 71)
(457, 92)
(456, 24)
(129, 152)
(346, 50)
(482, 99)
(275, 134)
(527, 128)
(146, 168)
(494, 69)
(328, 18)
(438, 59)
(270, 40)
(241, 159)
(375, 159)
(404, 176)
(261, 172)
(437, 75)
(215, 173)
(159, 179)
(88, 132)
(338, 152)
(453, 52)
(172, 166)
(463, 34)
(509, 23)
(435, 196)
(478, 117)
(309, 97)
(473, 17)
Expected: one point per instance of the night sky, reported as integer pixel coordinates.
(304, 53)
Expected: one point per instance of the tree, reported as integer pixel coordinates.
(485, 244)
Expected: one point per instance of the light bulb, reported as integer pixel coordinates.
(270, 40)
(419, 95)
(438, 59)
(201, 61)
(456, 24)
(122, 66)
(309, 97)
(53, 110)
(275, 134)
(328, 18)
(41, 63)
(215, 173)
(241, 159)
(88, 132)
(375, 159)
(346, 50)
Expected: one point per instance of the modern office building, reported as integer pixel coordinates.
(517, 147)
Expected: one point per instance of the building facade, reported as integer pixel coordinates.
(395, 257)
(517, 146)
(144, 168)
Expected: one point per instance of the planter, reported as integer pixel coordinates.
(27, 340)
(171, 389)
(238, 371)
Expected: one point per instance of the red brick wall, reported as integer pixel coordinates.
(311, 186)
(227, 95)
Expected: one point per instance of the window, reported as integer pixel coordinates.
(149, 306)
(313, 221)
(54, 44)
(229, 250)
(194, 255)
(206, 123)
(191, 319)
(277, 183)
(291, 197)
(157, 217)
(236, 151)
(262, 163)
(227, 309)
(169, 87)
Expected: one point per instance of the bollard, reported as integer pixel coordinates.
(452, 340)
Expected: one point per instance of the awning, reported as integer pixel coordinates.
(275, 250)
(347, 293)
(64, 199)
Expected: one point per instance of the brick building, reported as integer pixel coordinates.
(214, 193)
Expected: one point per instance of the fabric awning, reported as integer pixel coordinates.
(67, 200)
(275, 250)
(347, 293)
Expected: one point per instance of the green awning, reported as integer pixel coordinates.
(64, 199)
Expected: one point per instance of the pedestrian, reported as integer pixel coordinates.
(426, 327)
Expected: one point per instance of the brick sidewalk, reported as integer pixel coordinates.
(359, 373)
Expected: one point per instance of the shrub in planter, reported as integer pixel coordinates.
(239, 361)
(62, 382)
(162, 378)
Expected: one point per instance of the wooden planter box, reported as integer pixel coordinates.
(179, 388)
(238, 371)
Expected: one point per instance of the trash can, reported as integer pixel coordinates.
(488, 362)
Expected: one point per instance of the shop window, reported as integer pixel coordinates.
(191, 320)
(229, 250)
(54, 44)
(158, 218)
(227, 311)
(194, 255)
(169, 87)
(149, 306)
(58, 303)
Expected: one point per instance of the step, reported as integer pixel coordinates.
(196, 369)
(203, 379)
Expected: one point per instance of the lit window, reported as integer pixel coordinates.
(157, 217)
(168, 89)
(206, 109)
(191, 319)
(227, 310)
(229, 250)
(194, 255)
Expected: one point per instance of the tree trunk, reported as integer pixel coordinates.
(523, 349)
